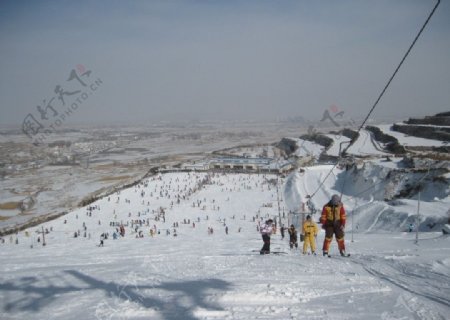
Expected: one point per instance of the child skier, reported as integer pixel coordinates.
(266, 231)
(292, 237)
(310, 233)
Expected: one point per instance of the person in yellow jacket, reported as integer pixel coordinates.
(310, 233)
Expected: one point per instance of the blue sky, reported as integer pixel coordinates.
(246, 60)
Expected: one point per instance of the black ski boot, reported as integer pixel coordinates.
(344, 254)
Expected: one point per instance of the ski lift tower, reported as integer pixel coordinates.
(278, 191)
(418, 205)
(298, 217)
(294, 219)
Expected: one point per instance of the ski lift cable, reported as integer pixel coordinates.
(382, 92)
(396, 70)
(323, 181)
(367, 189)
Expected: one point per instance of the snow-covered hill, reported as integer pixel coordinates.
(429, 136)
(199, 275)
(372, 194)
(406, 140)
(189, 247)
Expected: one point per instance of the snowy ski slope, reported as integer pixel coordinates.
(197, 275)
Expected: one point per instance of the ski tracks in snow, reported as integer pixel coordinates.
(380, 213)
(415, 281)
(294, 286)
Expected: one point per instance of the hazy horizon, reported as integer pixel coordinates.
(219, 61)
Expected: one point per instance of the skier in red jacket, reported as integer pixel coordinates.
(333, 221)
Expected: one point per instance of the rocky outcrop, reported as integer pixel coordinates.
(422, 131)
(288, 146)
(319, 139)
(349, 133)
(391, 144)
(440, 119)
(435, 127)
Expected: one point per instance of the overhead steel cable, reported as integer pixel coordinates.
(382, 93)
(395, 72)
(323, 181)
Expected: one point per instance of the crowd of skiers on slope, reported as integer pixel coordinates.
(333, 220)
(173, 191)
(333, 215)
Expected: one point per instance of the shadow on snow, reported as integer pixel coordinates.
(36, 297)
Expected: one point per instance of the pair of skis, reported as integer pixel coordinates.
(271, 252)
(345, 255)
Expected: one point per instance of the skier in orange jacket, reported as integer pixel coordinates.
(310, 231)
(333, 221)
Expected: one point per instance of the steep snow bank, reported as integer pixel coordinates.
(375, 196)
(293, 196)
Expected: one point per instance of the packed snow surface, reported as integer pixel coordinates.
(407, 140)
(307, 148)
(366, 145)
(340, 142)
(202, 275)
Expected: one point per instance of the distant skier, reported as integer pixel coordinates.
(310, 233)
(333, 221)
(293, 239)
(266, 230)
